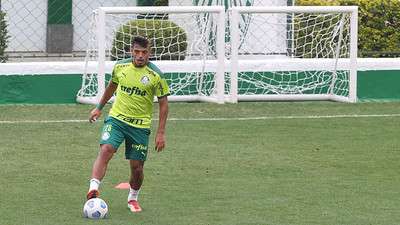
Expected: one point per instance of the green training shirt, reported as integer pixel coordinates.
(135, 93)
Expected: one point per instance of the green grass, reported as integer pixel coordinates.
(274, 171)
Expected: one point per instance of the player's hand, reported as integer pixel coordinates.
(94, 115)
(160, 142)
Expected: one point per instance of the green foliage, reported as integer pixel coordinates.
(168, 40)
(379, 23)
(317, 2)
(3, 37)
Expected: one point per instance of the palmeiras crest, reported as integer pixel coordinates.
(145, 80)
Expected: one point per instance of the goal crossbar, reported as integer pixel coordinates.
(294, 9)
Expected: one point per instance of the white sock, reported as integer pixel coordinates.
(94, 184)
(133, 194)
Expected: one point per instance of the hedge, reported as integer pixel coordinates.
(379, 25)
(3, 37)
(168, 40)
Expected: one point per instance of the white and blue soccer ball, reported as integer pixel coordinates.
(95, 208)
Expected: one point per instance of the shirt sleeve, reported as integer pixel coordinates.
(114, 77)
(162, 88)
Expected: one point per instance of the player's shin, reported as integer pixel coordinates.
(133, 194)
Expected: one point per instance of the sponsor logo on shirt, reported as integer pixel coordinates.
(130, 119)
(133, 90)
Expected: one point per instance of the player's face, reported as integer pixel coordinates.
(140, 55)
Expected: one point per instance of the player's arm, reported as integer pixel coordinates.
(108, 93)
(163, 114)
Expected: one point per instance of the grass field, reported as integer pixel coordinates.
(278, 163)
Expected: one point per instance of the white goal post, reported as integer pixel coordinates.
(267, 54)
(187, 44)
(293, 53)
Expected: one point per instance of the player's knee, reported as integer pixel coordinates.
(137, 169)
(107, 150)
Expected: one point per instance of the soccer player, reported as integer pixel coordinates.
(136, 81)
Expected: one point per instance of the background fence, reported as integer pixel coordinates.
(57, 30)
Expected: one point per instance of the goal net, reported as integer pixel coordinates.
(187, 44)
(272, 53)
(293, 53)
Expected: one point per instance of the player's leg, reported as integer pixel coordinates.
(100, 165)
(137, 175)
(136, 152)
(135, 182)
(99, 169)
(111, 138)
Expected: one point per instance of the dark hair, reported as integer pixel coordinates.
(142, 41)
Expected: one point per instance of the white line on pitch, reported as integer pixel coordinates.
(286, 117)
(218, 119)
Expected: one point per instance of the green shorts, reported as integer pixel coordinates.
(136, 139)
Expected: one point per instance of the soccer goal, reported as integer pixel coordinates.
(293, 53)
(187, 44)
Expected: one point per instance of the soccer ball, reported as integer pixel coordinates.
(95, 208)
